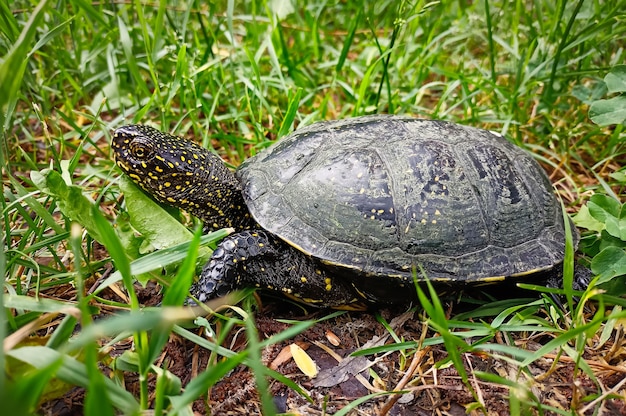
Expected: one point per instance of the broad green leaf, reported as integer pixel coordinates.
(609, 262)
(616, 79)
(589, 95)
(584, 219)
(609, 214)
(69, 198)
(148, 217)
(619, 176)
(607, 112)
(603, 206)
(616, 227)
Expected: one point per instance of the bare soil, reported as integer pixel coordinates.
(555, 382)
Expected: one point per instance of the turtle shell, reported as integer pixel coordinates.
(381, 196)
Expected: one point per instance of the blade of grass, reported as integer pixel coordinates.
(547, 95)
(257, 367)
(290, 115)
(14, 64)
(74, 372)
(492, 52)
(203, 381)
(348, 41)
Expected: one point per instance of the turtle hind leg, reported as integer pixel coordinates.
(254, 258)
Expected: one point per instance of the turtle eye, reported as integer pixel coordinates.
(140, 149)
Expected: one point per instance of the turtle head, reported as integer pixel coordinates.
(181, 173)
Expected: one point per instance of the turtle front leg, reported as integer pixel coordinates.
(253, 258)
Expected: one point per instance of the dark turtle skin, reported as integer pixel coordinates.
(343, 213)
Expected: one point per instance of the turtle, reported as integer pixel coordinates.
(352, 212)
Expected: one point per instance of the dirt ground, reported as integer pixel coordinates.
(427, 390)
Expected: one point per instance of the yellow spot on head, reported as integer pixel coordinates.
(303, 279)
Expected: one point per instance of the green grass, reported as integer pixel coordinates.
(235, 76)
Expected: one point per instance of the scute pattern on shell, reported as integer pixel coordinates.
(380, 195)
